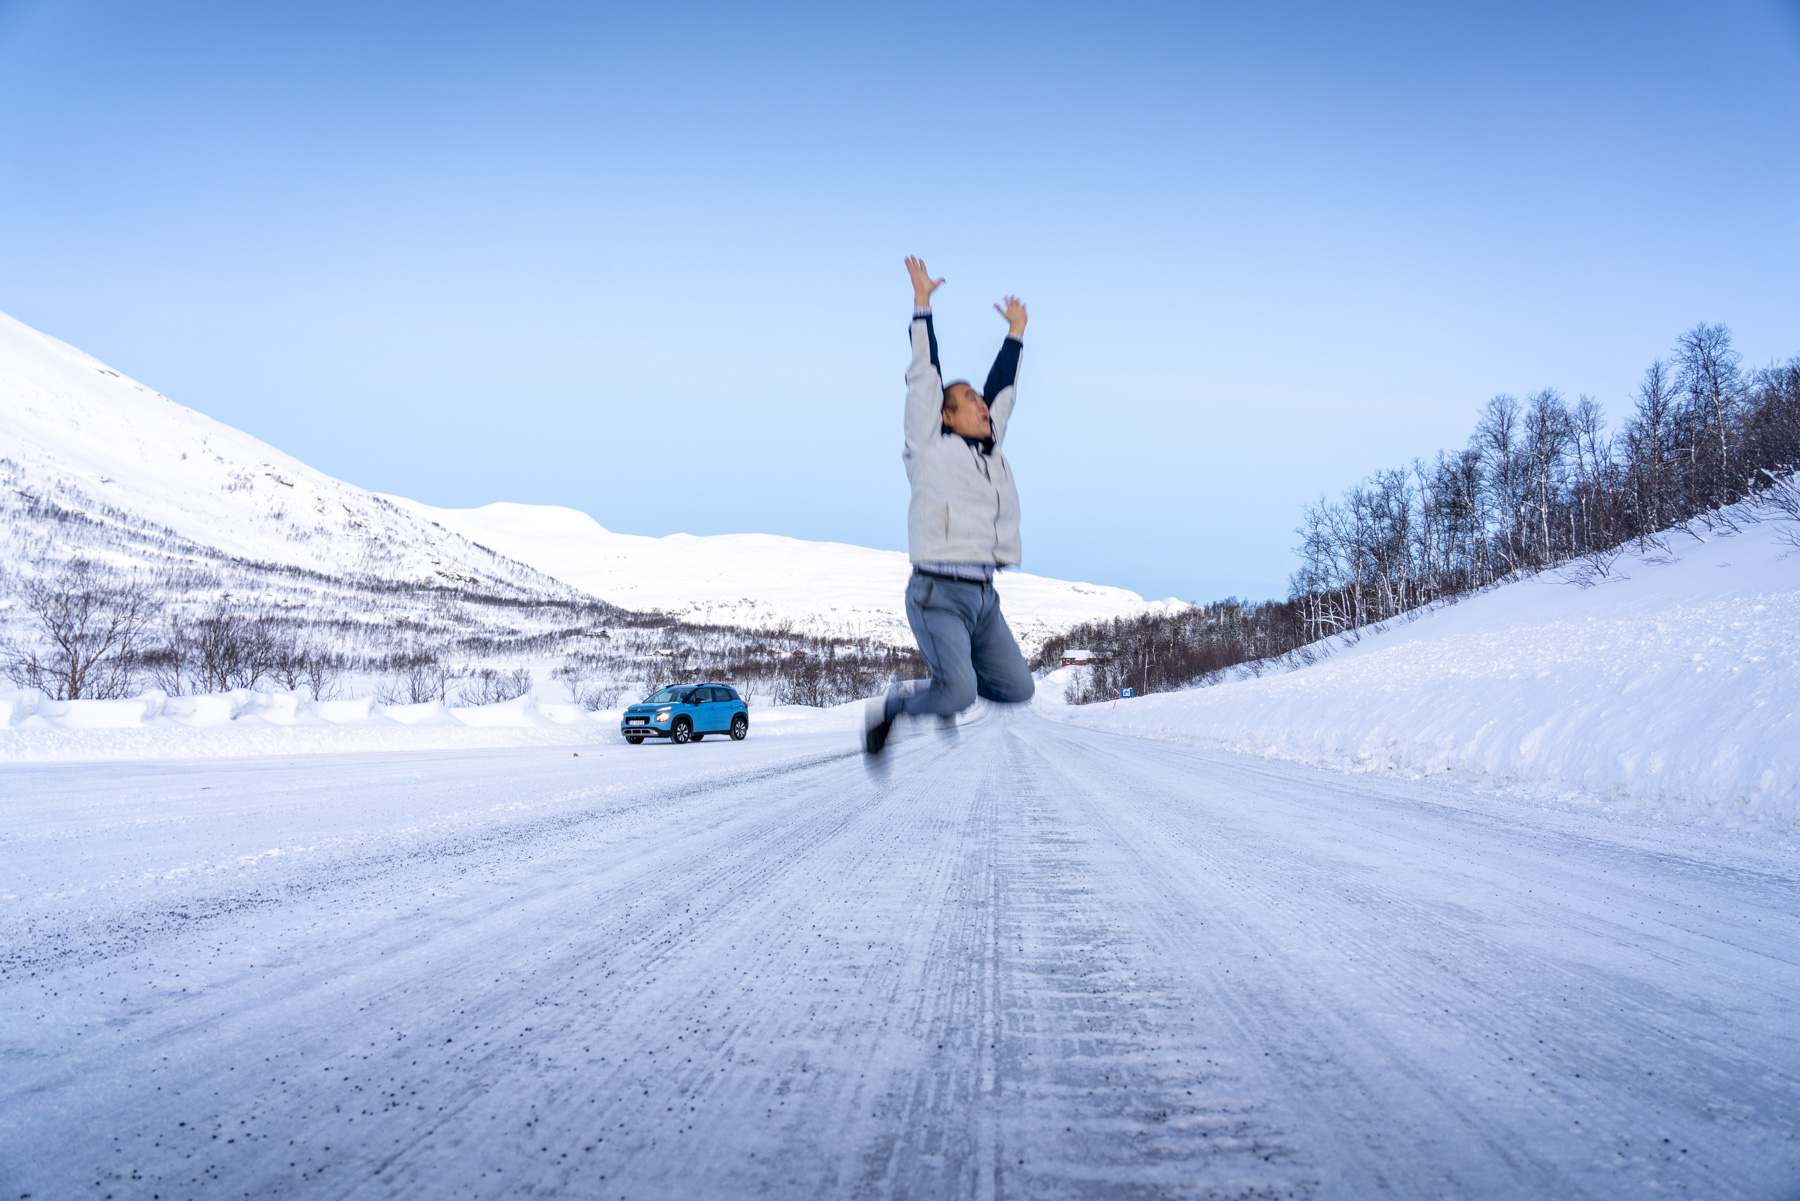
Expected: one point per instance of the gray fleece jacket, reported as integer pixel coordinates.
(964, 508)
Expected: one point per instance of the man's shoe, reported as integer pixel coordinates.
(875, 734)
(878, 719)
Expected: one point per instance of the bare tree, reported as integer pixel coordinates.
(490, 687)
(92, 623)
(1593, 459)
(288, 651)
(1649, 439)
(1549, 432)
(1709, 374)
(320, 672)
(590, 682)
(224, 649)
(1496, 439)
(1771, 435)
(423, 678)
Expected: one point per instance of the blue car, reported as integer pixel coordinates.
(687, 713)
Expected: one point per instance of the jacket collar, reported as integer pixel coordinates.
(984, 445)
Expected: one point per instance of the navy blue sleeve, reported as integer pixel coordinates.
(1005, 371)
(931, 336)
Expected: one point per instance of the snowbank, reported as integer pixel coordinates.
(155, 726)
(1672, 685)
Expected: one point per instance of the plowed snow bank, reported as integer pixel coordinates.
(154, 726)
(1673, 684)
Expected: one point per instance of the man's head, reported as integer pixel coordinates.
(965, 412)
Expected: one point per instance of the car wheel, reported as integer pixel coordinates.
(740, 726)
(682, 730)
(634, 741)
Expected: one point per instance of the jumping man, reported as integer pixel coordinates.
(962, 526)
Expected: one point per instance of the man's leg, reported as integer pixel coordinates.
(1000, 670)
(942, 614)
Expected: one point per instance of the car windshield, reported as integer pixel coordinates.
(670, 696)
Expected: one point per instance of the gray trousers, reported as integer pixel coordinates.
(966, 644)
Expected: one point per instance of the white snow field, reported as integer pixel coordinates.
(760, 580)
(1019, 959)
(1672, 686)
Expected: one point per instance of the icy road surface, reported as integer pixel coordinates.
(1026, 961)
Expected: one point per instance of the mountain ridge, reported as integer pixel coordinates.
(831, 589)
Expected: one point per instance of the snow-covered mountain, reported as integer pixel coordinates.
(77, 434)
(826, 589)
(97, 465)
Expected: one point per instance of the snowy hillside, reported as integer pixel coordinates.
(77, 433)
(1671, 684)
(758, 580)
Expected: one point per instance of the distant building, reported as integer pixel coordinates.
(1077, 657)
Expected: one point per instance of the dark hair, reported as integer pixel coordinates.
(965, 383)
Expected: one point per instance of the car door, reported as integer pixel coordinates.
(698, 711)
(733, 706)
(706, 711)
(720, 710)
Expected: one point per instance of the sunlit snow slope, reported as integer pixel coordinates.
(74, 431)
(1672, 685)
(827, 588)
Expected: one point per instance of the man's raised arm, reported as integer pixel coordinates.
(924, 377)
(999, 391)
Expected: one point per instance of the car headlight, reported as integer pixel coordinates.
(663, 716)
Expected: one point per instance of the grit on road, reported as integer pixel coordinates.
(1013, 960)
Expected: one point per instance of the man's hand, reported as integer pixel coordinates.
(923, 284)
(1014, 312)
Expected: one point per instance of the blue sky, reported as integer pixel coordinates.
(645, 262)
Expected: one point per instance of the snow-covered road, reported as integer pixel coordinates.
(1022, 960)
